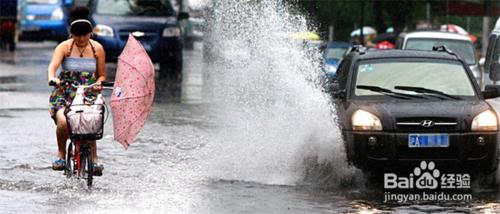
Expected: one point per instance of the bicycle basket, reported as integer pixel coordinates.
(85, 122)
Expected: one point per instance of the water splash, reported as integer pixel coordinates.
(273, 117)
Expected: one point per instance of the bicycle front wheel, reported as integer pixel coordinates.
(69, 161)
(86, 167)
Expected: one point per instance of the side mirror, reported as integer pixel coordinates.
(182, 16)
(495, 71)
(491, 91)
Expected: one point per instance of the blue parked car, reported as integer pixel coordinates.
(152, 22)
(332, 55)
(44, 19)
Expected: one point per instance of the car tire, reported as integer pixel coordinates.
(12, 45)
(171, 69)
(171, 75)
(349, 149)
(487, 181)
(189, 43)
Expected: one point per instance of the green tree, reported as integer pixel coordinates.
(345, 15)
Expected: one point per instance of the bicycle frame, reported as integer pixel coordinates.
(79, 153)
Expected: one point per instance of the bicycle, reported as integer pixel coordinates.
(79, 161)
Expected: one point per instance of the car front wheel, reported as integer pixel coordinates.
(171, 74)
(171, 70)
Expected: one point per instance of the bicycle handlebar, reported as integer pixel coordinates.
(104, 84)
(107, 83)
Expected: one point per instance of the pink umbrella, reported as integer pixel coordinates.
(133, 93)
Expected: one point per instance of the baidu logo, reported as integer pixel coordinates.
(426, 176)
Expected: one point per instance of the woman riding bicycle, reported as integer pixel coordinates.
(83, 63)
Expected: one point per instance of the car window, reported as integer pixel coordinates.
(343, 72)
(335, 53)
(448, 77)
(134, 8)
(463, 48)
(43, 1)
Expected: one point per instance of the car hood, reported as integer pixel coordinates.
(389, 112)
(135, 22)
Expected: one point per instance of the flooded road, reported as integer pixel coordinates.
(250, 132)
(184, 160)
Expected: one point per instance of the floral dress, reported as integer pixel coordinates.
(75, 71)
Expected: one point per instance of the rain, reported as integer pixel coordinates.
(247, 126)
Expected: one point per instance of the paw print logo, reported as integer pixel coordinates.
(427, 174)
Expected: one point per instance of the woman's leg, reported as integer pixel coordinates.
(97, 167)
(62, 133)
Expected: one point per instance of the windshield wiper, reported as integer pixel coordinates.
(388, 92)
(426, 91)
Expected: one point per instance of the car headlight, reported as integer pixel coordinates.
(363, 120)
(171, 32)
(103, 30)
(485, 121)
(57, 14)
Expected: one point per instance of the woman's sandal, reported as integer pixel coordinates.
(58, 164)
(97, 169)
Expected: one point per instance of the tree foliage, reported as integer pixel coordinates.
(347, 15)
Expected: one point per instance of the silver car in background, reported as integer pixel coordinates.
(459, 44)
(492, 58)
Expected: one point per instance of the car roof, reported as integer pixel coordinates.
(496, 30)
(396, 53)
(436, 35)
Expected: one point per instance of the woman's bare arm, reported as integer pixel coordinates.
(56, 61)
(101, 62)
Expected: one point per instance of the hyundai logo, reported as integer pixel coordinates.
(427, 123)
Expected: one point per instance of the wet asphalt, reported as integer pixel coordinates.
(189, 158)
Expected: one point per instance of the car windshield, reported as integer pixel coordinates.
(42, 1)
(446, 77)
(464, 49)
(335, 53)
(135, 8)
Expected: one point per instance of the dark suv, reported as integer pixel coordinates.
(397, 108)
(153, 22)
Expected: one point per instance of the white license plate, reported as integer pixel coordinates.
(428, 141)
